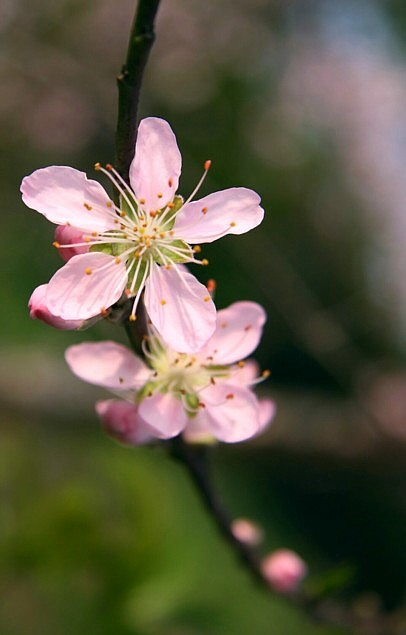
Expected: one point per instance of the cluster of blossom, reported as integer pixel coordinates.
(192, 379)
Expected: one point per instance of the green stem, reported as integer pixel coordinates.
(129, 82)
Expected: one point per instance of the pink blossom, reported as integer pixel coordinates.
(139, 244)
(284, 570)
(205, 396)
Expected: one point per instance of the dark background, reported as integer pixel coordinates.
(304, 102)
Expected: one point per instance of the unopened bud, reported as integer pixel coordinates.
(121, 421)
(39, 311)
(247, 532)
(284, 570)
(67, 235)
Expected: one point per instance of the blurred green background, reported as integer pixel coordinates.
(303, 101)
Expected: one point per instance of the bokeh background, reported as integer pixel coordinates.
(305, 102)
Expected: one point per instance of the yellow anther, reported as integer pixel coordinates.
(171, 233)
(159, 195)
(205, 261)
(152, 214)
(207, 298)
(109, 204)
(265, 373)
(87, 239)
(94, 234)
(223, 325)
(56, 244)
(142, 201)
(118, 260)
(97, 166)
(171, 205)
(204, 210)
(197, 249)
(123, 213)
(207, 164)
(163, 302)
(89, 207)
(161, 234)
(241, 364)
(103, 311)
(232, 224)
(132, 318)
(88, 271)
(167, 267)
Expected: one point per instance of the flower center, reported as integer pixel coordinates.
(181, 374)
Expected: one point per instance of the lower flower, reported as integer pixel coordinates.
(204, 396)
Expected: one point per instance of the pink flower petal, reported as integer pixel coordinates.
(156, 167)
(67, 235)
(267, 411)
(238, 332)
(39, 311)
(62, 195)
(232, 211)
(120, 420)
(164, 414)
(107, 364)
(231, 413)
(86, 285)
(244, 375)
(180, 308)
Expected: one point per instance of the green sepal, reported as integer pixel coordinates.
(105, 248)
(177, 204)
(112, 249)
(174, 257)
(136, 285)
(128, 209)
(192, 401)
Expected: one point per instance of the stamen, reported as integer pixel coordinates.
(211, 286)
(207, 165)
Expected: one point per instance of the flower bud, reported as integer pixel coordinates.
(121, 421)
(284, 570)
(247, 532)
(39, 311)
(67, 235)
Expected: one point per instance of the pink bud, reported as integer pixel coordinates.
(284, 570)
(39, 311)
(67, 235)
(246, 531)
(121, 421)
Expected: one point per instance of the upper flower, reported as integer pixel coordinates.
(204, 395)
(139, 244)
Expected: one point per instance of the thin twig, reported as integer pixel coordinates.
(129, 82)
(194, 459)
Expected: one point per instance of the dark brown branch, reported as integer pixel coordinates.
(129, 82)
(194, 459)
